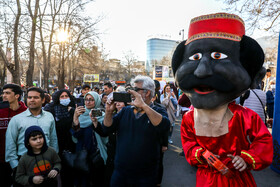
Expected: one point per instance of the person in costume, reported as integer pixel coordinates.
(215, 65)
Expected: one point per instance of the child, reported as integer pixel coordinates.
(41, 164)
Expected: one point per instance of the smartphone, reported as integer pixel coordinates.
(122, 97)
(79, 101)
(96, 112)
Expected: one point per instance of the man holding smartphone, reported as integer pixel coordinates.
(139, 128)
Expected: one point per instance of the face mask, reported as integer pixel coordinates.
(272, 86)
(64, 102)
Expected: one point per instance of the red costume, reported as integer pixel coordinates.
(214, 66)
(248, 137)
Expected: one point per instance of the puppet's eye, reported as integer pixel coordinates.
(217, 55)
(196, 56)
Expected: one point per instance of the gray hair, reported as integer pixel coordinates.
(147, 83)
(120, 89)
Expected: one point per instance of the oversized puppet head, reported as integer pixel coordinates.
(217, 62)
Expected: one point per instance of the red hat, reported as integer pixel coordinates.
(219, 25)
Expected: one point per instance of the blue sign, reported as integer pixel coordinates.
(275, 166)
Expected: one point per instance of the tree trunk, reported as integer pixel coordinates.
(2, 75)
(15, 71)
(29, 73)
(61, 71)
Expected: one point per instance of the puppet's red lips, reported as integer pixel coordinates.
(203, 89)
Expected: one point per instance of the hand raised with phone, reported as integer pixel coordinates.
(78, 111)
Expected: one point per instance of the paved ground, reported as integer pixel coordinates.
(178, 173)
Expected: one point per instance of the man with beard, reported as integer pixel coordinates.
(34, 115)
(214, 66)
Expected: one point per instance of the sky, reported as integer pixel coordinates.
(128, 24)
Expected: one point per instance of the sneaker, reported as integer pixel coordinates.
(170, 141)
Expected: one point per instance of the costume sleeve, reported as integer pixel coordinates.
(53, 136)
(193, 151)
(260, 153)
(11, 143)
(21, 174)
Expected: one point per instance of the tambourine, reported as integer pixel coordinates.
(216, 163)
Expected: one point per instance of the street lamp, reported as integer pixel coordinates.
(181, 32)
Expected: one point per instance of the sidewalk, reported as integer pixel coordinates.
(178, 172)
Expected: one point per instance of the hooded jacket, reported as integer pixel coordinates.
(6, 115)
(31, 164)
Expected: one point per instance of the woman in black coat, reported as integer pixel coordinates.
(62, 108)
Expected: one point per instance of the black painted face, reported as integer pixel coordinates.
(211, 73)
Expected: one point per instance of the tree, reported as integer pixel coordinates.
(8, 30)
(33, 16)
(20, 23)
(260, 14)
(129, 60)
(46, 38)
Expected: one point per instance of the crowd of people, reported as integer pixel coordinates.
(260, 98)
(46, 138)
(123, 145)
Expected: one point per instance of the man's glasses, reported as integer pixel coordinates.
(137, 89)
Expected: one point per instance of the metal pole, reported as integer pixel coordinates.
(182, 33)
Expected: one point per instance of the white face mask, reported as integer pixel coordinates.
(273, 86)
(65, 102)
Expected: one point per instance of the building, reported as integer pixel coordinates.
(157, 50)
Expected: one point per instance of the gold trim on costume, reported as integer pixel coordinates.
(217, 15)
(197, 157)
(220, 35)
(254, 162)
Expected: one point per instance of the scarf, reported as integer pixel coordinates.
(85, 121)
(61, 112)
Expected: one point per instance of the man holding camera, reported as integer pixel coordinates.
(10, 107)
(139, 128)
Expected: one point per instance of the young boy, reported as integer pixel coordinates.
(41, 164)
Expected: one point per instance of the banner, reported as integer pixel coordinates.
(158, 73)
(165, 71)
(91, 77)
(275, 166)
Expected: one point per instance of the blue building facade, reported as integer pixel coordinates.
(158, 48)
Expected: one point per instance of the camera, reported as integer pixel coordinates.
(122, 97)
(79, 102)
(96, 112)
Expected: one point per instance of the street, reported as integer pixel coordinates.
(178, 172)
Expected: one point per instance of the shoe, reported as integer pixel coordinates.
(170, 141)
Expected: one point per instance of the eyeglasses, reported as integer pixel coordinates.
(89, 100)
(137, 89)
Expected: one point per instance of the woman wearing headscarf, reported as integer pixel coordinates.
(62, 109)
(169, 100)
(88, 139)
